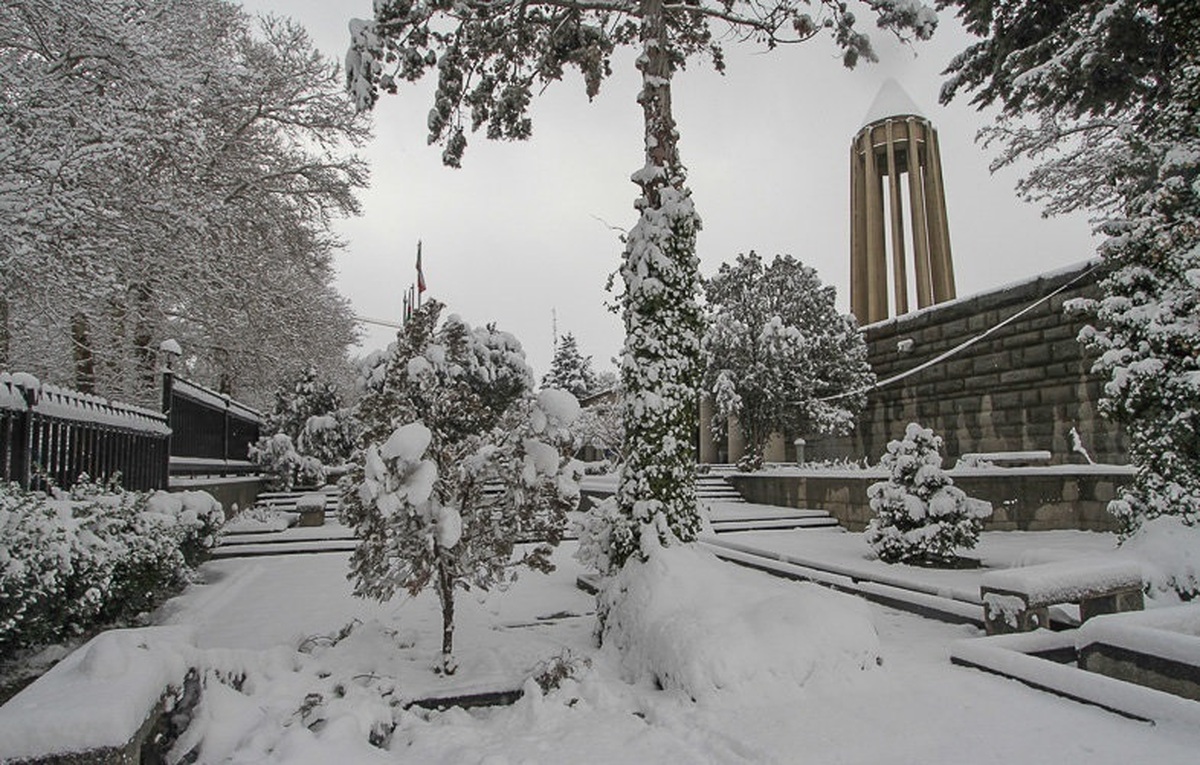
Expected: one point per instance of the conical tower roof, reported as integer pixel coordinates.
(890, 101)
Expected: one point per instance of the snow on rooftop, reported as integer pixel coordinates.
(891, 101)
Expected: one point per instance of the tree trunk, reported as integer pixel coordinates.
(661, 358)
(445, 588)
(5, 340)
(85, 360)
(143, 341)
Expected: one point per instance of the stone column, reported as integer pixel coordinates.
(776, 448)
(916, 198)
(708, 446)
(899, 277)
(737, 443)
(939, 229)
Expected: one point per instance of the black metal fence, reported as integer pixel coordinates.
(50, 434)
(211, 433)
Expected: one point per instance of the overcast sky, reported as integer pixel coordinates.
(526, 230)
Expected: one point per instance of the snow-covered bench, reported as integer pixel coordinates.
(1019, 599)
(1005, 459)
(311, 507)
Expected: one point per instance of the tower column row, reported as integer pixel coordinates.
(888, 149)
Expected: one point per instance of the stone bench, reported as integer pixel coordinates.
(1019, 599)
(311, 508)
(1032, 458)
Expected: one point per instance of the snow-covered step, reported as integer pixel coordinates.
(714, 487)
(284, 548)
(764, 524)
(286, 501)
(275, 537)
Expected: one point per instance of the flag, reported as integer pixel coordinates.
(420, 273)
(407, 307)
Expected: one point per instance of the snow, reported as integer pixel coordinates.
(310, 501)
(1007, 655)
(449, 526)
(275, 622)
(915, 707)
(559, 405)
(1169, 550)
(1168, 633)
(688, 621)
(99, 696)
(170, 346)
(1065, 581)
(407, 443)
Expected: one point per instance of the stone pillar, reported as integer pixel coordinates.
(916, 198)
(939, 228)
(708, 446)
(737, 442)
(895, 202)
(776, 448)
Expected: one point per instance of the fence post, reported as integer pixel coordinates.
(168, 395)
(31, 399)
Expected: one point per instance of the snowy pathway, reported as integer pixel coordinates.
(915, 708)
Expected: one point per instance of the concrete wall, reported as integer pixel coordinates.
(234, 494)
(1023, 499)
(1022, 387)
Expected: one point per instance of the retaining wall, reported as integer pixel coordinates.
(1023, 499)
(1022, 387)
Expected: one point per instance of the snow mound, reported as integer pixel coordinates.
(688, 621)
(98, 696)
(1169, 552)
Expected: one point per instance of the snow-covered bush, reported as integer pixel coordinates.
(459, 462)
(920, 516)
(92, 555)
(1168, 549)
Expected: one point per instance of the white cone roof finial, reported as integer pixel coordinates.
(891, 101)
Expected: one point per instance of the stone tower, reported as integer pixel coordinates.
(896, 140)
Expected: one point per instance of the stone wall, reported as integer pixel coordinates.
(1021, 387)
(1023, 499)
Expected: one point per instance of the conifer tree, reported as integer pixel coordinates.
(492, 57)
(920, 515)
(1105, 97)
(458, 461)
(570, 370)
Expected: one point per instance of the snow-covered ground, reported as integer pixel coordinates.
(307, 697)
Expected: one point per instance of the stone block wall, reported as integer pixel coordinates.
(1022, 386)
(1023, 499)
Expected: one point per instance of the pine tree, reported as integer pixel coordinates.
(491, 58)
(920, 515)
(309, 431)
(1106, 98)
(570, 370)
(458, 462)
(778, 355)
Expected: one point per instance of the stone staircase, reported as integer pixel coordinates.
(328, 537)
(728, 511)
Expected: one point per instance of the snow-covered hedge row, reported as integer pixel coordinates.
(72, 560)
